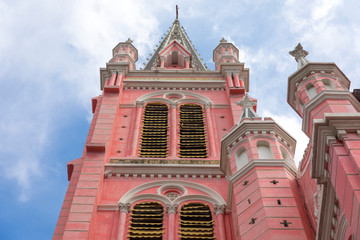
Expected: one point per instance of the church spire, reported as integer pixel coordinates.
(176, 33)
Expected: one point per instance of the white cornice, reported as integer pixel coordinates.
(164, 169)
(321, 97)
(325, 132)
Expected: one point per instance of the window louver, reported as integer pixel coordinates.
(196, 222)
(146, 221)
(154, 132)
(192, 132)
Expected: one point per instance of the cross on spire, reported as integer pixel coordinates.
(177, 12)
(247, 105)
(300, 55)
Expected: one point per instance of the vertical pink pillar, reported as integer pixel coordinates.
(219, 212)
(139, 108)
(242, 83)
(173, 135)
(227, 226)
(162, 62)
(171, 210)
(124, 210)
(236, 80)
(187, 62)
(230, 81)
(210, 130)
(119, 78)
(112, 78)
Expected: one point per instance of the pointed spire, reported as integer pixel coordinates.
(248, 110)
(300, 55)
(177, 33)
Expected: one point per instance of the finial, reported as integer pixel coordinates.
(129, 40)
(177, 12)
(223, 40)
(247, 104)
(300, 55)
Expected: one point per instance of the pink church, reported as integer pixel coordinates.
(177, 151)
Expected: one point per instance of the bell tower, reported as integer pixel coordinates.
(177, 151)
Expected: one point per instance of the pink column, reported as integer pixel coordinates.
(119, 78)
(171, 210)
(173, 135)
(187, 62)
(139, 108)
(230, 81)
(124, 210)
(227, 226)
(242, 83)
(162, 62)
(236, 80)
(210, 130)
(219, 212)
(112, 78)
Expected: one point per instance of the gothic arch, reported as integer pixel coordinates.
(212, 196)
(198, 98)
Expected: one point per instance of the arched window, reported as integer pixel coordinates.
(264, 150)
(328, 84)
(196, 222)
(146, 221)
(285, 154)
(310, 90)
(241, 158)
(192, 132)
(154, 131)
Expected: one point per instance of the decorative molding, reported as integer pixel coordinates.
(124, 207)
(171, 208)
(324, 134)
(219, 209)
(321, 97)
(178, 187)
(213, 196)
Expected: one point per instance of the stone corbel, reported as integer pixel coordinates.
(219, 209)
(124, 207)
(171, 208)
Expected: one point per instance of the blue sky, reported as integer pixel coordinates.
(51, 52)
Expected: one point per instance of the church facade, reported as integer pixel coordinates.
(177, 151)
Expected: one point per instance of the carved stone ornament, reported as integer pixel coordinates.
(171, 208)
(124, 207)
(219, 209)
(139, 103)
(223, 40)
(246, 102)
(300, 55)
